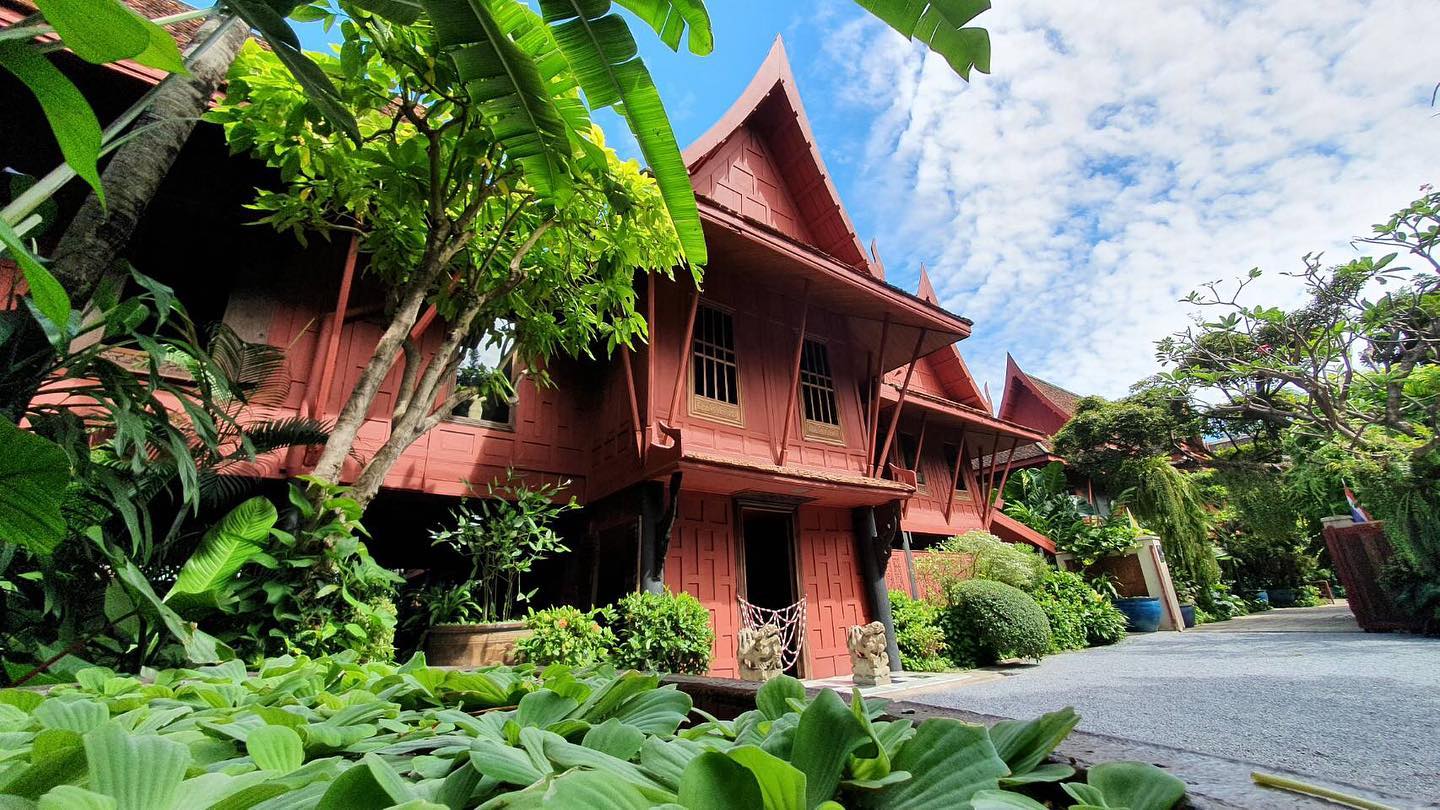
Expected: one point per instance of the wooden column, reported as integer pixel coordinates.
(875, 384)
(900, 403)
(910, 565)
(874, 558)
(955, 473)
(634, 402)
(794, 378)
(337, 323)
(683, 364)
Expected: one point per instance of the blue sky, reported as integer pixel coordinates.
(1118, 156)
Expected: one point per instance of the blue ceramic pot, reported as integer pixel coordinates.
(1187, 612)
(1142, 614)
(1261, 596)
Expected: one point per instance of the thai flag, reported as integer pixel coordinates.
(1359, 514)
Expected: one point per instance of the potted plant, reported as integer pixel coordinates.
(1185, 593)
(476, 622)
(1281, 597)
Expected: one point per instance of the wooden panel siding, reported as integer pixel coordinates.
(834, 591)
(742, 176)
(701, 561)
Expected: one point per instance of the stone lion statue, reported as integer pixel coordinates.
(868, 660)
(760, 649)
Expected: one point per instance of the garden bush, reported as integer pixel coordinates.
(991, 558)
(985, 621)
(918, 634)
(332, 733)
(1079, 616)
(662, 632)
(566, 635)
(1307, 596)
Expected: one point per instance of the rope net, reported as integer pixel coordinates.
(790, 621)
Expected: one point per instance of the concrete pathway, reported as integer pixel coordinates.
(1298, 688)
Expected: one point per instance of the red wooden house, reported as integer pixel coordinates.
(1043, 407)
(787, 426)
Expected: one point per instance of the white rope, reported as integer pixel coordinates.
(790, 621)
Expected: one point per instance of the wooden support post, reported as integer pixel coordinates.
(910, 565)
(992, 495)
(634, 402)
(920, 444)
(1005, 476)
(650, 346)
(794, 378)
(900, 403)
(874, 557)
(955, 473)
(683, 364)
(337, 323)
(870, 461)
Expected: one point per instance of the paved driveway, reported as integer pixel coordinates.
(1301, 689)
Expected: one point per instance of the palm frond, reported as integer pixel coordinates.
(941, 26)
(601, 50)
(250, 372)
(278, 434)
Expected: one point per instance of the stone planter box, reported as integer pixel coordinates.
(473, 645)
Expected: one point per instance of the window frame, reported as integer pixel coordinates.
(491, 424)
(961, 487)
(708, 407)
(829, 432)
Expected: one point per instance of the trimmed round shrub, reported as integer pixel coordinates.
(662, 632)
(918, 634)
(1079, 616)
(565, 635)
(985, 621)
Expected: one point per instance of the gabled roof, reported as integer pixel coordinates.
(954, 377)
(1034, 402)
(761, 161)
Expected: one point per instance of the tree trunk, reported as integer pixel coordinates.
(97, 235)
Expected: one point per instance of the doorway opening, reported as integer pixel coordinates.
(768, 546)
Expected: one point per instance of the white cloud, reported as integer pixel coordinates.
(1120, 154)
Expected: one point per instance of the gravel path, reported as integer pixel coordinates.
(1300, 689)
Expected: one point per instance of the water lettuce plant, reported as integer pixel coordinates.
(331, 733)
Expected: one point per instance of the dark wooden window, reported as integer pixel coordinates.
(496, 409)
(909, 446)
(714, 373)
(817, 385)
(951, 451)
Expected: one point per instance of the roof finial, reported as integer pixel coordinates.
(926, 290)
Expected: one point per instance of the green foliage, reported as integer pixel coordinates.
(988, 557)
(33, 475)
(1079, 617)
(662, 632)
(918, 634)
(566, 635)
(985, 621)
(1168, 503)
(1104, 436)
(313, 591)
(331, 733)
(501, 540)
(1040, 499)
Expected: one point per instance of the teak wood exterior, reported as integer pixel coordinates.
(658, 470)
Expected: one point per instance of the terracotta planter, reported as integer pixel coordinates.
(473, 645)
